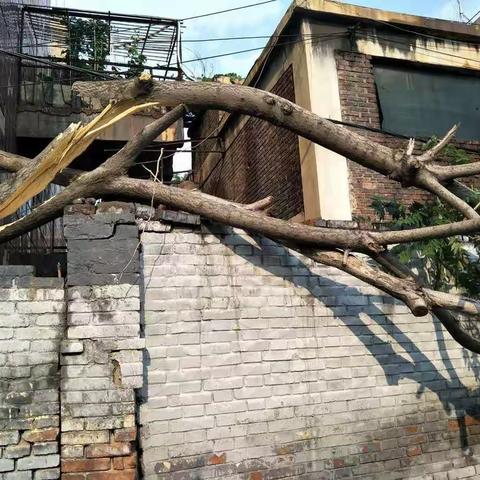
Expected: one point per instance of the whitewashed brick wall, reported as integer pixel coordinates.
(263, 366)
(32, 319)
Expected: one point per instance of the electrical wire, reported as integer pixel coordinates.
(221, 39)
(327, 35)
(226, 11)
(425, 35)
(474, 16)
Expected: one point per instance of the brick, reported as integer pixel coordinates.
(72, 451)
(22, 449)
(9, 438)
(85, 438)
(125, 435)
(6, 465)
(45, 448)
(115, 449)
(114, 475)
(41, 435)
(38, 462)
(47, 474)
(85, 465)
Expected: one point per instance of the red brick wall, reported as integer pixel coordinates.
(262, 160)
(359, 104)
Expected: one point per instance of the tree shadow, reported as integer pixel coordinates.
(458, 400)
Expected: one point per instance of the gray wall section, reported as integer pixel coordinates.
(103, 248)
(32, 314)
(102, 354)
(262, 365)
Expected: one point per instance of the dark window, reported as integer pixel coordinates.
(422, 103)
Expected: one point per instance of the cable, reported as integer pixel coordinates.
(261, 48)
(24, 56)
(226, 11)
(474, 16)
(221, 39)
(426, 35)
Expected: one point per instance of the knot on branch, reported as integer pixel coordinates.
(142, 86)
(269, 100)
(370, 243)
(287, 109)
(406, 169)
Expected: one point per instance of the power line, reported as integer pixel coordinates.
(221, 39)
(226, 11)
(473, 17)
(332, 35)
(24, 56)
(420, 34)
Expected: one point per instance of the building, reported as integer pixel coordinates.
(43, 51)
(372, 70)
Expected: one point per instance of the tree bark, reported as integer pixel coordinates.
(110, 179)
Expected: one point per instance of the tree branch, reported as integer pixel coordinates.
(450, 172)
(431, 184)
(434, 152)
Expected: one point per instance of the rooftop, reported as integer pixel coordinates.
(344, 12)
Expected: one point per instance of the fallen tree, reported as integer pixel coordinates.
(330, 246)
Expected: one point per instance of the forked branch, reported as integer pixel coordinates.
(331, 246)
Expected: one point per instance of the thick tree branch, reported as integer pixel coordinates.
(258, 103)
(397, 165)
(431, 184)
(391, 237)
(224, 212)
(450, 172)
(447, 318)
(405, 290)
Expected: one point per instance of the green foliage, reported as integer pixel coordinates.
(444, 264)
(234, 77)
(87, 43)
(136, 59)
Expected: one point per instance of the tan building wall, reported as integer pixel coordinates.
(325, 28)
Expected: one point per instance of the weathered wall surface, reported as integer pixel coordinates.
(101, 356)
(258, 160)
(360, 107)
(262, 366)
(31, 327)
(359, 103)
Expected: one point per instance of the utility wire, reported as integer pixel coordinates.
(226, 11)
(473, 17)
(420, 34)
(221, 39)
(327, 35)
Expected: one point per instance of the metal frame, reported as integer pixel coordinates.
(44, 33)
(159, 37)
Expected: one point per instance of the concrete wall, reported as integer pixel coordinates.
(32, 320)
(263, 366)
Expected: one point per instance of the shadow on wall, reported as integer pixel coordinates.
(457, 399)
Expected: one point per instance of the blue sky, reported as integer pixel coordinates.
(255, 21)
